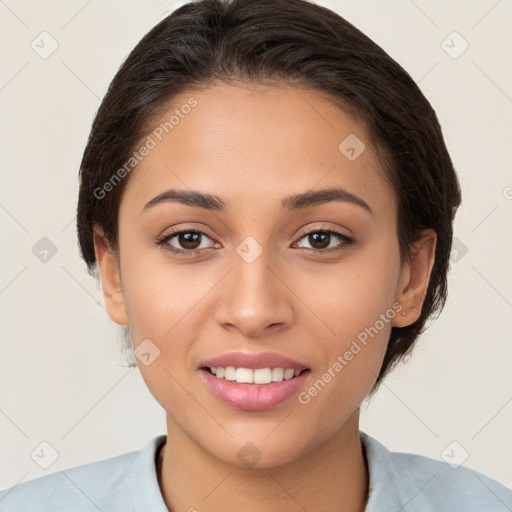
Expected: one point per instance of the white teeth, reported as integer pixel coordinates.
(277, 374)
(288, 374)
(244, 375)
(262, 376)
(250, 376)
(230, 373)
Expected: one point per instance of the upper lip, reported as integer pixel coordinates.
(254, 361)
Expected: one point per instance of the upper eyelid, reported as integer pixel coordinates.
(189, 230)
(329, 229)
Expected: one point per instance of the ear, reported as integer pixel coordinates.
(414, 279)
(108, 266)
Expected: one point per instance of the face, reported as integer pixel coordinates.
(257, 275)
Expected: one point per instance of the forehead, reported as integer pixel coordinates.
(262, 142)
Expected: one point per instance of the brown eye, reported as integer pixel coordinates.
(186, 242)
(320, 240)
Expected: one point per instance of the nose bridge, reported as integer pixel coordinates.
(254, 297)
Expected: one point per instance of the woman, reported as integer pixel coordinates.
(268, 200)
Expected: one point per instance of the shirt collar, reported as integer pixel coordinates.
(146, 494)
(382, 493)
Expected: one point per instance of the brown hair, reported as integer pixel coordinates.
(291, 42)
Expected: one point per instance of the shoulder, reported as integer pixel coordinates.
(101, 485)
(419, 483)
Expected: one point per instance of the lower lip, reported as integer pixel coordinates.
(253, 397)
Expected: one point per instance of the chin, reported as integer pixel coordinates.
(252, 455)
(262, 448)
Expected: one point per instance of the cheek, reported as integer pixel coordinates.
(354, 306)
(351, 355)
(160, 294)
(349, 297)
(169, 304)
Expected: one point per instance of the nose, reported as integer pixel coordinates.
(255, 297)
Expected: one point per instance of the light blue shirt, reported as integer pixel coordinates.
(128, 483)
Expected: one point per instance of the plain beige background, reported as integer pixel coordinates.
(63, 380)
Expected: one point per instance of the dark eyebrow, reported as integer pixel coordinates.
(294, 202)
(319, 197)
(190, 198)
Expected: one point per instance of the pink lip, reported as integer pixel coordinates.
(253, 397)
(254, 361)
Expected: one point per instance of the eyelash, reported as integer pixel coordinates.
(191, 252)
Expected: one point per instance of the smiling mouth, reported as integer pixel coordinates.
(242, 375)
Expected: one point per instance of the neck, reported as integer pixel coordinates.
(331, 478)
